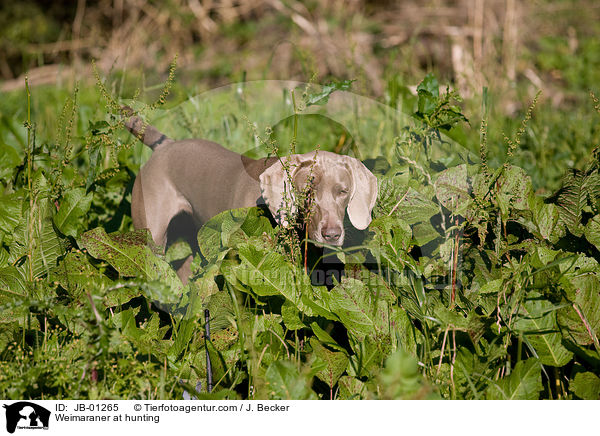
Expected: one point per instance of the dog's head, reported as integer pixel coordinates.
(337, 183)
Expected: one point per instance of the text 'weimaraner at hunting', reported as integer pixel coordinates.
(201, 179)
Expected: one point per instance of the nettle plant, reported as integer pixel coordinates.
(465, 285)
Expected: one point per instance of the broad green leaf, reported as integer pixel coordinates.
(361, 311)
(574, 195)
(414, 207)
(391, 242)
(523, 383)
(268, 322)
(291, 316)
(182, 335)
(351, 388)
(230, 228)
(131, 254)
(35, 241)
(322, 97)
(423, 233)
(74, 271)
(470, 368)
(403, 327)
(592, 231)
(266, 272)
(452, 188)
(73, 207)
(545, 217)
(324, 337)
(369, 354)
(10, 212)
(473, 324)
(515, 189)
(94, 153)
(492, 287)
(580, 320)
(545, 255)
(285, 383)
(13, 291)
(336, 363)
(200, 291)
(12, 283)
(537, 322)
(9, 162)
(586, 386)
(428, 91)
(179, 250)
(222, 311)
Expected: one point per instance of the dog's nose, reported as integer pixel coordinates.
(331, 234)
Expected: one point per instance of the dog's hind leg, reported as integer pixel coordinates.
(153, 206)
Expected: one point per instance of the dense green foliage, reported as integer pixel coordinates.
(466, 284)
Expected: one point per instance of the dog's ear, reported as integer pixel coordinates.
(277, 190)
(364, 194)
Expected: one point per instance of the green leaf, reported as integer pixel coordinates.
(183, 333)
(515, 189)
(201, 290)
(10, 160)
(545, 217)
(580, 321)
(266, 272)
(322, 97)
(428, 92)
(13, 291)
(369, 354)
(403, 327)
(132, 255)
(291, 316)
(592, 231)
(324, 337)
(586, 386)
(472, 324)
(361, 311)
(537, 322)
(336, 363)
(94, 150)
(35, 241)
(523, 383)
(12, 281)
(10, 212)
(452, 188)
(351, 388)
(414, 207)
(285, 383)
(423, 233)
(577, 191)
(73, 207)
(393, 231)
(231, 227)
(74, 271)
(179, 250)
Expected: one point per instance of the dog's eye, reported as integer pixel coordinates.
(343, 191)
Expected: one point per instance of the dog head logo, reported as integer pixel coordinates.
(26, 415)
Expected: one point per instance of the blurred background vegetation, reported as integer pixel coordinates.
(512, 47)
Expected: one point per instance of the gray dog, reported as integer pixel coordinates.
(200, 178)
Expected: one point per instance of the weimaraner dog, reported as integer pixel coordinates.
(201, 178)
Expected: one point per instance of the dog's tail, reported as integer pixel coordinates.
(143, 131)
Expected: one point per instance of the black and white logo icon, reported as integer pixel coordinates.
(26, 415)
